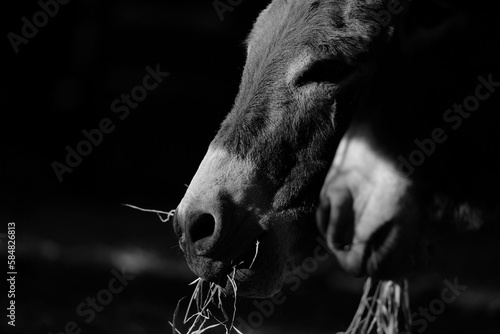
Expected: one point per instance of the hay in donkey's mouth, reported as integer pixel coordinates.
(199, 316)
(384, 309)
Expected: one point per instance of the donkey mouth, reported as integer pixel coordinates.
(219, 272)
(387, 255)
(378, 248)
(368, 258)
(238, 270)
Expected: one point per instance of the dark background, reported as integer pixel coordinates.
(70, 235)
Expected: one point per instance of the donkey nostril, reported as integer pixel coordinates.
(201, 228)
(344, 219)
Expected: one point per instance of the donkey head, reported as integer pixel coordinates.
(307, 61)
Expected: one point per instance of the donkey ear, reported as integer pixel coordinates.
(427, 22)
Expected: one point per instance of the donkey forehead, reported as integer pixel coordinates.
(290, 34)
(327, 27)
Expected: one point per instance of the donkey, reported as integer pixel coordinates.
(419, 160)
(250, 208)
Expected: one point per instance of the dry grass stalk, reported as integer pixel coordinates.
(384, 311)
(169, 214)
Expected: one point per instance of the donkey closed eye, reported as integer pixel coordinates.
(329, 71)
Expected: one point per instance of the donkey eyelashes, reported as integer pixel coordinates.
(329, 71)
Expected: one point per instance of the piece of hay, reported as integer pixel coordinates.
(384, 309)
(169, 214)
